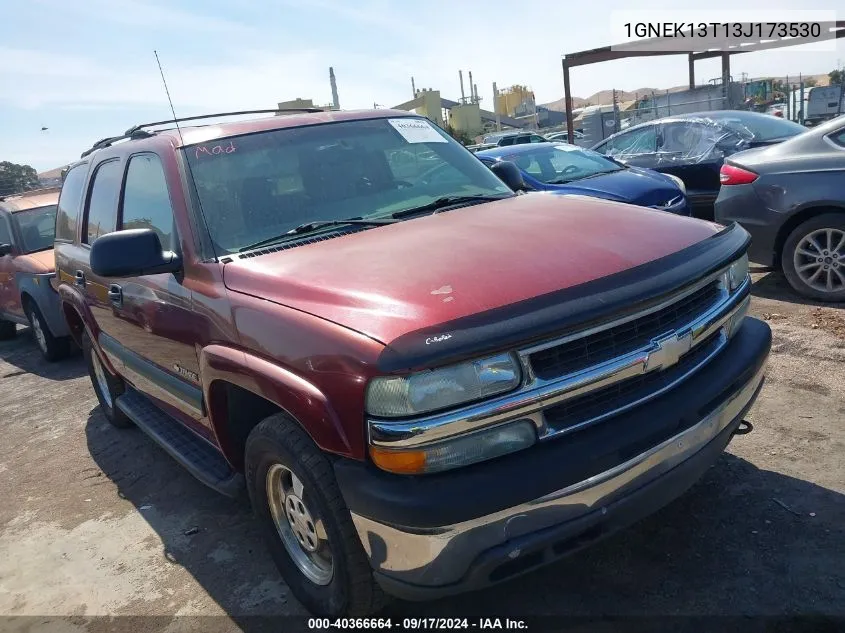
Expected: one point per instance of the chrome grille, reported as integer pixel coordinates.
(573, 356)
(603, 403)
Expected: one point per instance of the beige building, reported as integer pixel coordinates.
(509, 99)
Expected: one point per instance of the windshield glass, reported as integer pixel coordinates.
(254, 187)
(37, 227)
(562, 163)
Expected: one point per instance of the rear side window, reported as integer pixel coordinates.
(67, 217)
(146, 201)
(838, 138)
(102, 205)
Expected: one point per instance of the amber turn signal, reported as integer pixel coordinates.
(400, 462)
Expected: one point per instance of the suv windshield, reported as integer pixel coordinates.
(254, 187)
(37, 227)
(562, 163)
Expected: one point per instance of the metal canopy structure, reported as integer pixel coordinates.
(703, 50)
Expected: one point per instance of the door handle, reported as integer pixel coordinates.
(116, 294)
(79, 278)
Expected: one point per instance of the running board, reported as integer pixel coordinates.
(201, 459)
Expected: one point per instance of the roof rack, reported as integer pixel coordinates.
(140, 126)
(110, 140)
(137, 131)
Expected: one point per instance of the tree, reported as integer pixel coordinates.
(810, 82)
(836, 76)
(459, 135)
(15, 178)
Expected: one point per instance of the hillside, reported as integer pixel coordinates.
(605, 97)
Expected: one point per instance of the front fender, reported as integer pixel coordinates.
(293, 394)
(37, 286)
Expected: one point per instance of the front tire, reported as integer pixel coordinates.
(305, 522)
(52, 348)
(107, 386)
(813, 258)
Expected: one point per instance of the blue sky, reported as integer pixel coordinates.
(85, 69)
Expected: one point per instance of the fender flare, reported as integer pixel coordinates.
(37, 287)
(296, 396)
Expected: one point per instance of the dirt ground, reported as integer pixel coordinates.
(99, 521)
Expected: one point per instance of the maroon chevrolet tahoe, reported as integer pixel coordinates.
(425, 382)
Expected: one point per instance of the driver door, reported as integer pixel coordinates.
(9, 301)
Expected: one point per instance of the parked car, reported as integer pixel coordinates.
(569, 169)
(27, 271)
(480, 146)
(564, 136)
(791, 199)
(427, 384)
(501, 139)
(693, 147)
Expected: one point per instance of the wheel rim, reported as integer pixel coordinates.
(303, 535)
(40, 338)
(100, 373)
(819, 260)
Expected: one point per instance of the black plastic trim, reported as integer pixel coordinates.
(455, 496)
(178, 388)
(570, 309)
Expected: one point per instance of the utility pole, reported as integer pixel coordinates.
(496, 108)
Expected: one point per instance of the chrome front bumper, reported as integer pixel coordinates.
(441, 556)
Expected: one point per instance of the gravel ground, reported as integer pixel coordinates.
(98, 521)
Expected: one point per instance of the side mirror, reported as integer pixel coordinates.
(132, 253)
(5, 249)
(509, 174)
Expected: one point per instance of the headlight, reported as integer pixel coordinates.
(425, 391)
(461, 451)
(678, 182)
(738, 273)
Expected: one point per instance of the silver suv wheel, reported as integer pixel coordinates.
(303, 535)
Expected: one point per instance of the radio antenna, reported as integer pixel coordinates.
(169, 100)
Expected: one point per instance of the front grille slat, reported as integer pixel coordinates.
(603, 346)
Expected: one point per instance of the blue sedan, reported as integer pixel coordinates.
(569, 169)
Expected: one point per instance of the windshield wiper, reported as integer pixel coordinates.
(308, 227)
(598, 173)
(441, 204)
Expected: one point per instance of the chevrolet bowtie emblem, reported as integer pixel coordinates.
(669, 350)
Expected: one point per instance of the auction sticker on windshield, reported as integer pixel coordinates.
(417, 131)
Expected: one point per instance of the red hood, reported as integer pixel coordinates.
(388, 281)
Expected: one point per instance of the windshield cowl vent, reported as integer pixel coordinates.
(294, 243)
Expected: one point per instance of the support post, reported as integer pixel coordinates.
(567, 97)
(726, 80)
(691, 61)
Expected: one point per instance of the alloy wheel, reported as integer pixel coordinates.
(819, 260)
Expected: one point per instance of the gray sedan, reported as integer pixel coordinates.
(791, 198)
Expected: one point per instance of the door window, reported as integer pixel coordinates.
(146, 201)
(536, 138)
(70, 200)
(102, 203)
(5, 234)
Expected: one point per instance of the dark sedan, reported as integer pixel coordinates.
(791, 199)
(568, 169)
(694, 146)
